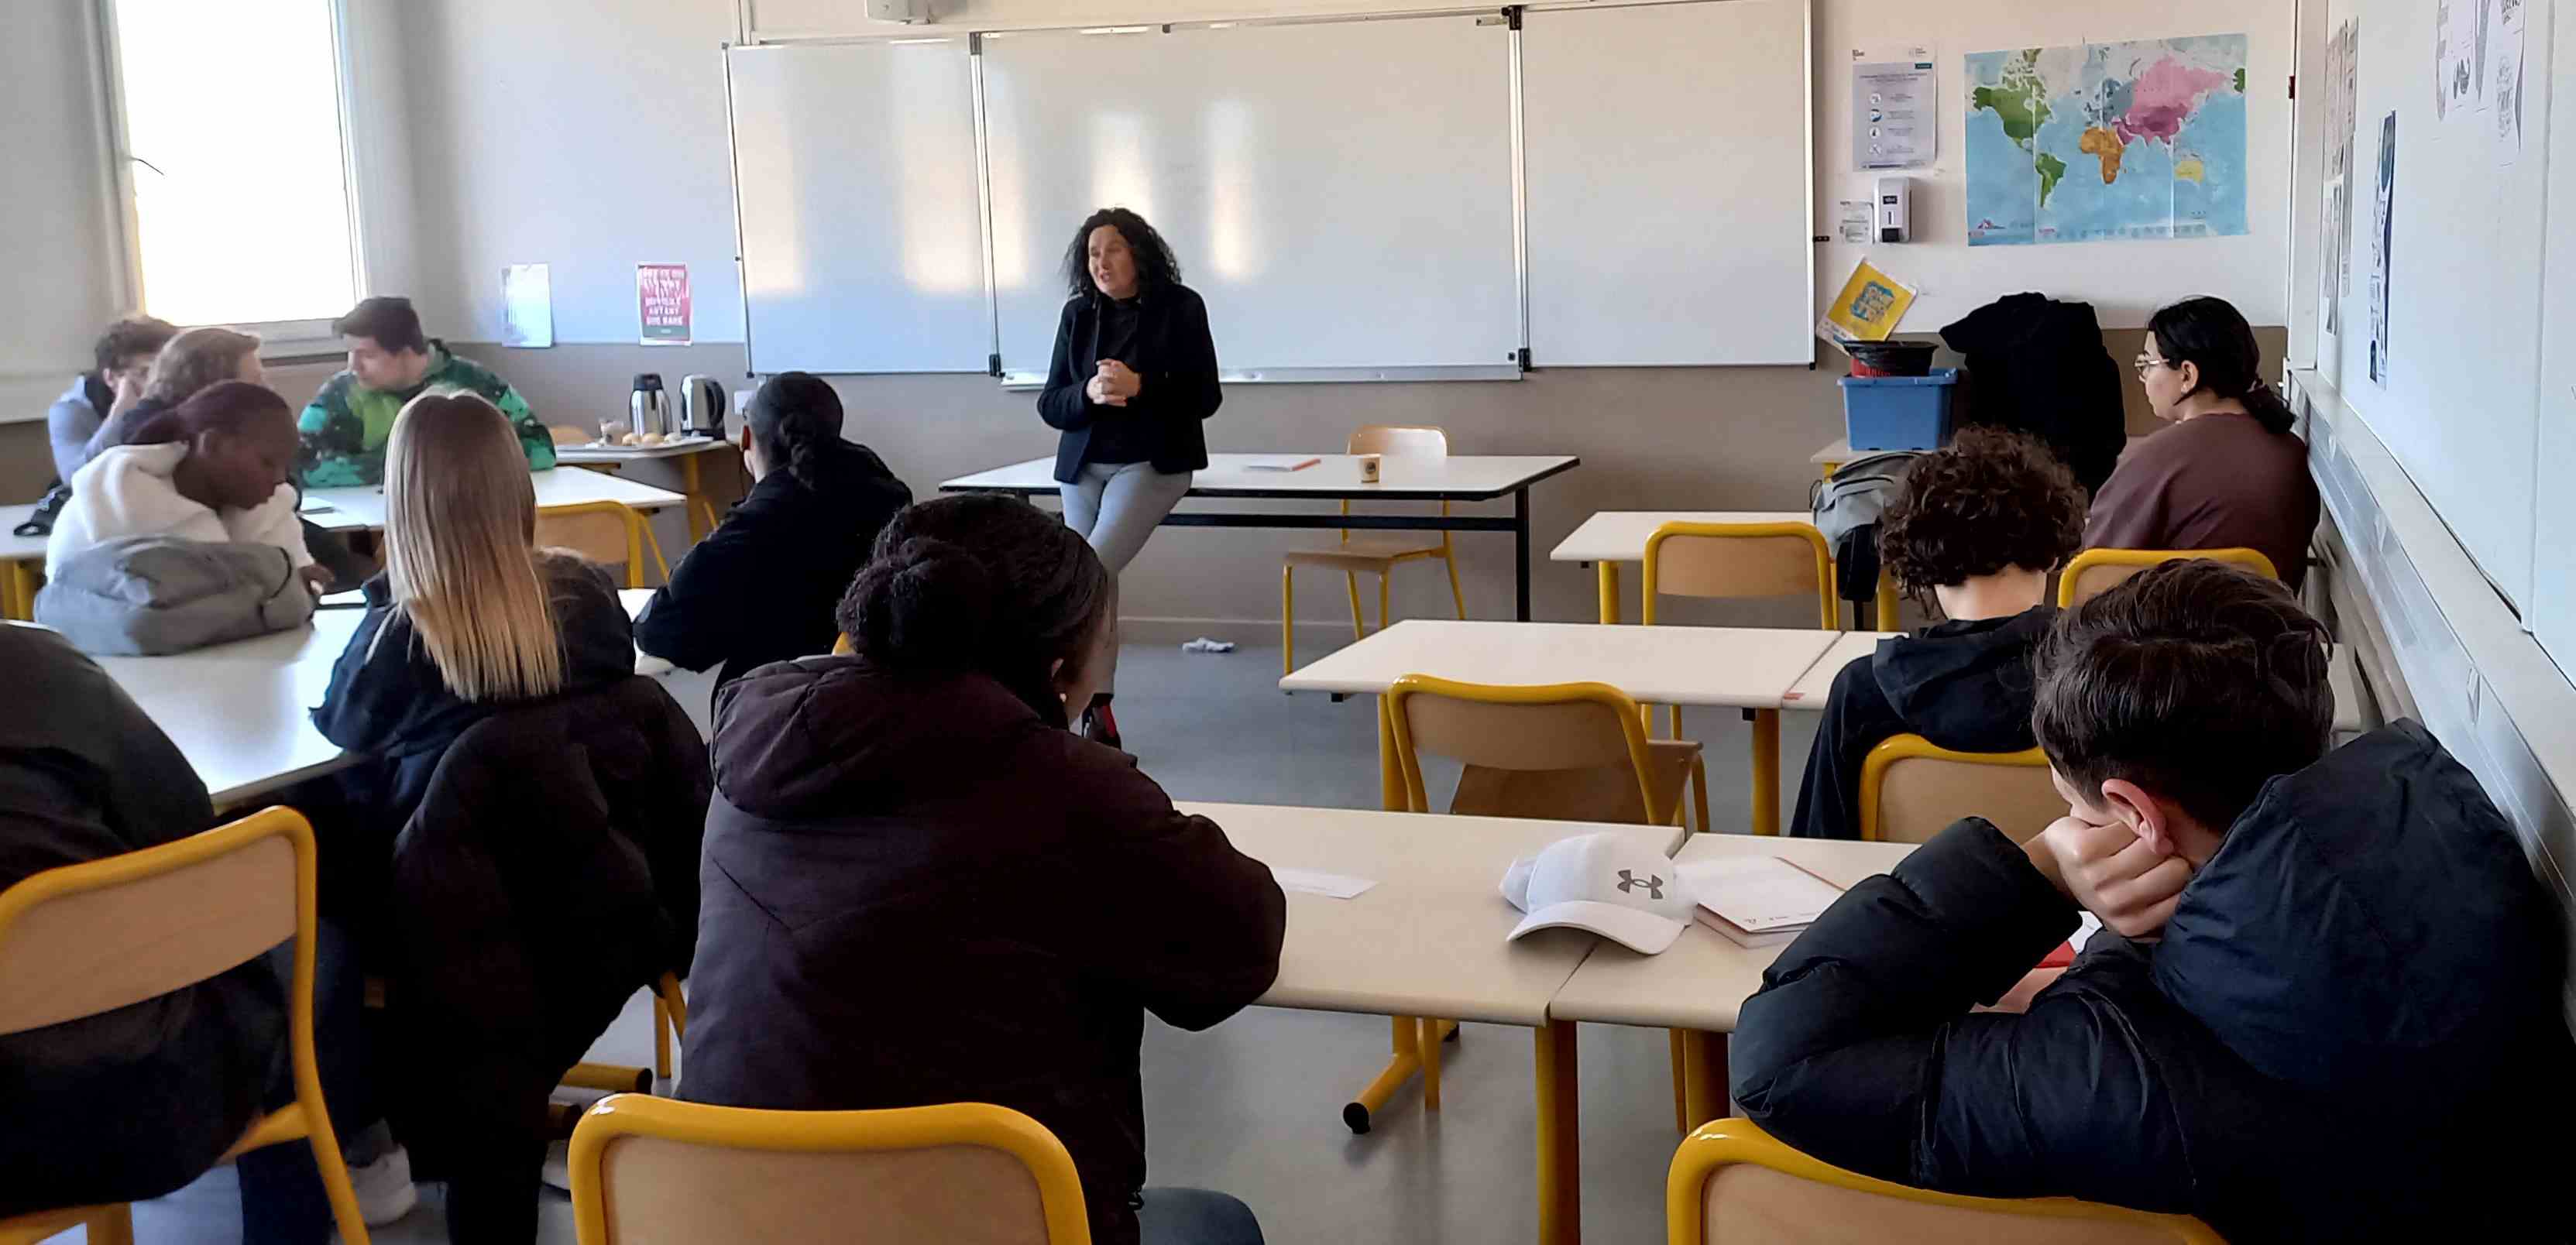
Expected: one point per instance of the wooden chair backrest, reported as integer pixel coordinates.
(567, 436)
(2096, 571)
(653, 1170)
(1919, 790)
(1732, 1182)
(1740, 560)
(91, 938)
(606, 532)
(1400, 441)
(1569, 752)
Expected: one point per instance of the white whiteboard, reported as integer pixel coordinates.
(2458, 407)
(1339, 192)
(2553, 589)
(862, 221)
(1668, 184)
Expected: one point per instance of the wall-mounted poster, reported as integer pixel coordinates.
(527, 305)
(2101, 141)
(2379, 239)
(662, 303)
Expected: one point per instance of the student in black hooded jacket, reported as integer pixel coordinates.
(762, 586)
(1978, 527)
(2326, 1006)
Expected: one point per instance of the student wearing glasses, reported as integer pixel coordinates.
(2229, 473)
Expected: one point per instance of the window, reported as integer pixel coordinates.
(237, 162)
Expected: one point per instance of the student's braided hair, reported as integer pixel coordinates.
(795, 417)
(983, 583)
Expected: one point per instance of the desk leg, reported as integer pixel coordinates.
(697, 504)
(1704, 1066)
(18, 590)
(1766, 769)
(1520, 553)
(1609, 591)
(1560, 1147)
(1392, 793)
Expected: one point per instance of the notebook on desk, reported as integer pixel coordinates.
(1757, 901)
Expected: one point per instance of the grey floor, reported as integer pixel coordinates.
(1254, 1106)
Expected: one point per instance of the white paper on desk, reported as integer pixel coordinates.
(1328, 885)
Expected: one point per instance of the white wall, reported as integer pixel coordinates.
(2125, 281)
(55, 241)
(584, 134)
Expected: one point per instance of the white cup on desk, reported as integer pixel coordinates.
(1369, 465)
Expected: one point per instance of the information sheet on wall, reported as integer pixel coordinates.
(1895, 108)
(2102, 141)
(662, 303)
(2380, 235)
(2342, 105)
(527, 306)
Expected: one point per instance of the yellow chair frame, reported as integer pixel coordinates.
(1388, 440)
(670, 1021)
(822, 1132)
(1766, 722)
(306, 1119)
(1733, 1141)
(2067, 581)
(639, 534)
(1896, 748)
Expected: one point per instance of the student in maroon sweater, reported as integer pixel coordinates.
(920, 887)
(2229, 473)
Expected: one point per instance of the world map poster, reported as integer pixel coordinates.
(2104, 141)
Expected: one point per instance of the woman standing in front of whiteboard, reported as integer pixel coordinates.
(1134, 373)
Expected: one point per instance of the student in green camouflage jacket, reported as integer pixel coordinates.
(390, 363)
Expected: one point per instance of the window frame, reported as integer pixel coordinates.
(281, 341)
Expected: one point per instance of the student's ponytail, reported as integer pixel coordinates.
(2212, 335)
(923, 603)
(795, 419)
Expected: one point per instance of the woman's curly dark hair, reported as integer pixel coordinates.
(1155, 266)
(1992, 500)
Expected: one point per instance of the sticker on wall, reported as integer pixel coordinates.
(662, 303)
(527, 305)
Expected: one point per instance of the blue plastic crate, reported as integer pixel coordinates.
(1899, 412)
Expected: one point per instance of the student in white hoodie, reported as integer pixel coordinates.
(212, 469)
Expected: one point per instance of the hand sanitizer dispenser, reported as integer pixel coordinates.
(1895, 209)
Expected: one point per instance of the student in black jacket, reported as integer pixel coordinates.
(2326, 1006)
(761, 587)
(1977, 527)
(1133, 378)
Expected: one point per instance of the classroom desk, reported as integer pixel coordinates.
(1816, 686)
(1699, 983)
(601, 458)
(1427, 942)
(1336, 477)
(1611, 537)
(240, 712)
(363, 505)
(1748, 668)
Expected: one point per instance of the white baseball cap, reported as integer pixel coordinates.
(1609, 884)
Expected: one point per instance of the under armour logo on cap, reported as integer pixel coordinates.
(1629, 882)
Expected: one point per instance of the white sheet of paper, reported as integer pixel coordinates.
(1316, 882)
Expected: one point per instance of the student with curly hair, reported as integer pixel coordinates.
(1977, 528)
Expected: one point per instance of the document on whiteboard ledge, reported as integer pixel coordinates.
(1316, 882)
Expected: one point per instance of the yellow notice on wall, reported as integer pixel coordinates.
(1868, 308)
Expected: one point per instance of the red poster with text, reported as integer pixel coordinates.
(662, 303)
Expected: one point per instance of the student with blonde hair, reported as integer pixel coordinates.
(468, 616)
(190, 363)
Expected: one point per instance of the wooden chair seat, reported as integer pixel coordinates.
(1369, 554)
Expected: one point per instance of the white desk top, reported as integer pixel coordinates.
(19, 548)
(240, 712)
(578, 454)
(1701, 981)
(1737, 667)
(364, 505)
(1816, 686)
(1458, 477)
(1620, 535)
(1427, 940)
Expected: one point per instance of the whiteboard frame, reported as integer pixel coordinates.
(1509, 14)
